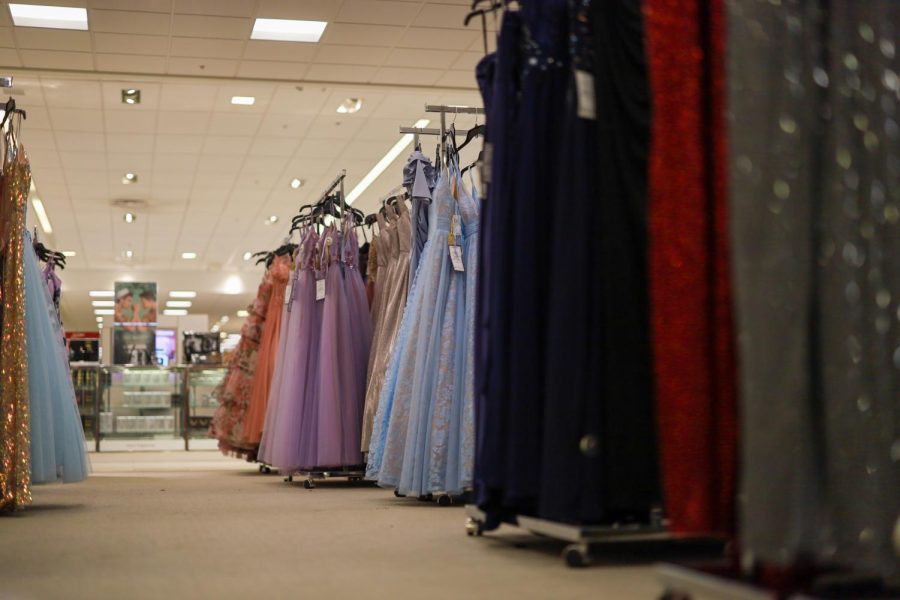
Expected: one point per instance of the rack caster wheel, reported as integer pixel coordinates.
(398, 494)
(354, 479)
(671, 595)
(289, 479)
(445, 500)
(309, 485)
(262, 469)
(577, 555)
(473, 528)
(426, 498)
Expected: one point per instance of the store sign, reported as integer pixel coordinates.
(84, 346)
(134, 323)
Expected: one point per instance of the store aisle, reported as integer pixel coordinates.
(198, 525)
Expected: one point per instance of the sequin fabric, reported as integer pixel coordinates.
(15, 459)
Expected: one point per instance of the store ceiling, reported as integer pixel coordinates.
(210, 172)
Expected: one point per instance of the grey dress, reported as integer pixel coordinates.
(815, 208)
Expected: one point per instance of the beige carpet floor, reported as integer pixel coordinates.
(199, 525)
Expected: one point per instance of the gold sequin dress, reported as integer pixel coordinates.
(15, 458)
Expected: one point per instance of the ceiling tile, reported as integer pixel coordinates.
(335, 127)
(162, 6)
(129, 121)
(130, 63)
(163, 179)
(52, 59)
(316, 10)
(320, 149)
(118, 43)
(433, 59)
(346, 73)
(226, 8)
(458, 79)
(433, 38)
(133, 162)
(83, 160)
(42, 139)
(72, 141)
(75, 119)
(130, 142)
(264, 165)
(234, 124)
(290, 126)
(72, 93)
(441, 15)
(38, 118)
(180, 163)
(399, 76)
(169, 143)
(204, 47)
(260, 69)
(302, 99)
(352, 34)
(53, 39)
(120, 21)
(377, 12)
(31, 88)
(352, 55)
(6, 38)
(273, 146)
(211, 27)
(183, 97)
(467, 61)
(225, 145)
(279, 51)
(207, 67)
(182, 121)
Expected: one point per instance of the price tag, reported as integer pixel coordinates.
(288, 289)
(587, 104)
(456, 258)
(320, 289)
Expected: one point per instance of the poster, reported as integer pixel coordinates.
(201, 348)
(84, 346)
(134, 323)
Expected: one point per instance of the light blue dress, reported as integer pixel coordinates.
(424, 432)
(57, 438)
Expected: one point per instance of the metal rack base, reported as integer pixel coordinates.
(352, 474)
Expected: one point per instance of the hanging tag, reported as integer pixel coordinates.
(456, 258)
(486, 162)
(587, 104)
(320, 289)
(453, 188)
(288, 291)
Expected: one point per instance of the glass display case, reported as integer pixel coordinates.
(202, 382)
(86, 380)
(142, 403)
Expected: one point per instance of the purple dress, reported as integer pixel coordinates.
(292, 402)
(345, 337)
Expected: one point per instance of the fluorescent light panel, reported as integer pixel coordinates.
(100, 294)
(287, 30)
(243, 100)
(175, 312)
(178, 303)
(69, 253)
(103, 303)
(243, 313)
(188, 255)
(41, 215)
(384, 163)
(104, 311)
(51, 17)
(183, 294)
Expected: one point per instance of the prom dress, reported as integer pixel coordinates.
(57, 437)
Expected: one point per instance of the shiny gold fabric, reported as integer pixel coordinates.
(15, 458)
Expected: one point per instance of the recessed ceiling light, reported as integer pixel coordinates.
(100, 294)
(51, 17)
(350, 106)
(104, 311)
(243, 100)
(296, 183)
(214, 328)
(243, 313)
(130, 217)
(233, 285)
(129, 253)
(41, 214)
(272, 219)
(69, 253)
(225, 319)
(248, 255)
(287, 30)
(129, 178)
(103, 303)
(175, 312)
(384, 163)
(131, 96)
(178, 303)
(183, 294)
(188, 255)
(99, 319)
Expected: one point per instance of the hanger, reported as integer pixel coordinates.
(471, 135)
(10, 109)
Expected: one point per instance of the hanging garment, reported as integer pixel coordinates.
(689, 272)
(345, 338)
(57, 437)
(15, 456)
(419, 177)
(290, 435)
(398, 238)
(815, 166)
(279, 272)
(371, 277)
(440, 438)
(233, 393)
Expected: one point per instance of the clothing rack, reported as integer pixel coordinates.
(581, 537)
(353, 474)
(339, 180)
(444, 110)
